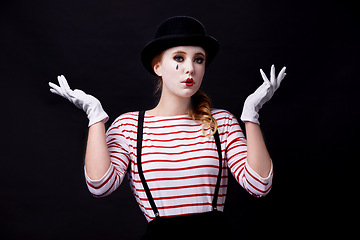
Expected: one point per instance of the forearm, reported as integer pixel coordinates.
(258, 157)
(97, 158)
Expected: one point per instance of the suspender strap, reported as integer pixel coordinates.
(141, 174)
(216, 193)
(138, 152)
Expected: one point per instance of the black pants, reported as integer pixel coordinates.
(208, 225)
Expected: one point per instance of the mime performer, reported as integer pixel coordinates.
(178, 154)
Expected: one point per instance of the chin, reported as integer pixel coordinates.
(188, 92)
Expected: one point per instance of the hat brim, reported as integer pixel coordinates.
(155, 47)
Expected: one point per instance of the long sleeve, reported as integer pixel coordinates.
(180, 164)
(119, 156)
(236, 154)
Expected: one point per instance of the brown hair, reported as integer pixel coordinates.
(201, 110)
(200, 105)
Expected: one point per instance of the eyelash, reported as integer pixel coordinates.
(198, 60)
(178, 58)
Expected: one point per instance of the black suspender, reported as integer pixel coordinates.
(216, 193)
(138, 153)
(141, 174)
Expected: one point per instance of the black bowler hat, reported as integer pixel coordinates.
(179, 31)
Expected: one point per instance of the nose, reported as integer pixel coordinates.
(189, 68)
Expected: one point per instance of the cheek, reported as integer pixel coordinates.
(200, 71)
(170, 69)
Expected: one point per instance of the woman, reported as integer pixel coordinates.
(177, 154)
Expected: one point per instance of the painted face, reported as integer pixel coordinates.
(182, 69)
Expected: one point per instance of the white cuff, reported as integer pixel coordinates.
(256, 175)
(98, 183)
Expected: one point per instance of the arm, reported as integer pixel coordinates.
(258, 157)
(97, 158)
(103, 174)
(107, 155)
(241, 156)
(107, 158)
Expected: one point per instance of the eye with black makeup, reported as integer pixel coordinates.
(199, 60)
(178, 58)
(181, 58)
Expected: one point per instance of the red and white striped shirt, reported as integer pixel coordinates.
(180, 164)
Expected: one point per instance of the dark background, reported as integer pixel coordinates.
(310, 125)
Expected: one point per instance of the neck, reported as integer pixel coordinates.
(171, 105)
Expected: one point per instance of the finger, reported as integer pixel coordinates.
(281, 75)
(55, 87)
(55, 92)
(272, 75)
(282, 72)
(66, 85)
(266, 80)
(62, 82)
(52, 84)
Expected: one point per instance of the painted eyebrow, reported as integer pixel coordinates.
(196, 54)
(179, 52)
(200, 54)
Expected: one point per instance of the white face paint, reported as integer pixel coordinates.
(182, 69)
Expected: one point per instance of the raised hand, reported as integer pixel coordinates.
(86, 102)
(264, 93)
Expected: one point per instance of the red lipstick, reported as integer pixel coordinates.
(189, 82)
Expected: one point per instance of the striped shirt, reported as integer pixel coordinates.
(180, 164)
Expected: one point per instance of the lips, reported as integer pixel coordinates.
(189, 82)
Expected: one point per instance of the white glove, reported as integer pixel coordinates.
(255, 101)
(88, 103)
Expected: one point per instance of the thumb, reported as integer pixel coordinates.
(78, 94)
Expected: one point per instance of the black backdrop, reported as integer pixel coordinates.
(310, 124)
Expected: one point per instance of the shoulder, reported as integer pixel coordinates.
(126, 118)
(126, 122)
(227, 123)
(221, 114)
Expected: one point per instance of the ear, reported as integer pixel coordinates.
(157, 69)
